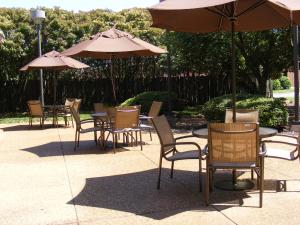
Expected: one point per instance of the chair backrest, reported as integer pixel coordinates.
(126, 119)
(69, 102)
(99, 107)
(242, 116)
(163, 131)
(111, 112)
(155, 109)
(35, 108)
(76, 117)
(233, 142)
(76, 104)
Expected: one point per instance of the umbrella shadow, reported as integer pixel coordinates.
(57, 148)
(136, 193)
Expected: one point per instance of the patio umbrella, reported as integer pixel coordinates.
(112, 44)
(202, 16)
(54, 61)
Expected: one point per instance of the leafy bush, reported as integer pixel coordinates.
(285, 82)
(277, 85)
(145, 99)
(272, 111)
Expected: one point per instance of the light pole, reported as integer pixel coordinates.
(2, 37)
(38, 17)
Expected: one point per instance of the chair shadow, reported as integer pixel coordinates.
(26, 127)
(136, 193)
(57, 148)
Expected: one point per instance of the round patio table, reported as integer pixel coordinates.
(238, 185)
(54, 109)
(264, 132)
(99, 116)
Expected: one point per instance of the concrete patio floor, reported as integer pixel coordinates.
(43, 181)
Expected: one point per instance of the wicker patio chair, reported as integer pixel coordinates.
(77, 104)
(234, 146)
(242, 116)
(80, 129)
(146, 123)
(65, 112)
(168, 149)
(126, 123)
(288, 148)
(36, 111)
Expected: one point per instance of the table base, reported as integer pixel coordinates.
(239, 185)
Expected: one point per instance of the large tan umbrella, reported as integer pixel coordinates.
(202, 16)
(112, 44)
(54, 61)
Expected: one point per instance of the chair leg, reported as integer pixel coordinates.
(150, 134)
(252, 174)
(114, 142)
(159, 172)
(200, 174)
(78, 139)
(75, 141)
(207, 186)
(72, 121)
(141, 141)
(172, 169)
(261, 182)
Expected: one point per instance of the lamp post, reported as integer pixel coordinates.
(2, 37)
(38, 17)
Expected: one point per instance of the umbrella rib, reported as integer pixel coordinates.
(252, 7)
(218, 11)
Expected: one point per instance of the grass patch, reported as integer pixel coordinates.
(283, 91)
(190, 111)
(8, 118)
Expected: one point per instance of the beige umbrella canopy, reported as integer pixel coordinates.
(202, 16)
(54, 61)
(112, 44)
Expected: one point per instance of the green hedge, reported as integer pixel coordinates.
(145, 99)
(282, 83)
(272, 111)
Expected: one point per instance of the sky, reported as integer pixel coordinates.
(76, 5)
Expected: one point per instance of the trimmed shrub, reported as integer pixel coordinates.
(277, 84)
(145, 99)
(285, 82)
(272, 111)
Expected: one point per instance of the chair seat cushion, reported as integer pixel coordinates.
(234, 165)
(280, 153)
(194, 154)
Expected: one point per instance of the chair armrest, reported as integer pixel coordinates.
(263, 149)
(280, 142)
(86, 121)
(142, 117)
(187, 136)
(186, 143)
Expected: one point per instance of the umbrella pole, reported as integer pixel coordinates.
(54, 88)
(296, 71)
(233, 61)
(112, 80)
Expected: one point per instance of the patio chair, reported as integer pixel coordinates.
(80, 129)
(234, 146)
(146, 123)
(66, 111)
(77, 104)
(169, 151)
(288, 148)
(36, 111)
(126, 123)
(242, 115)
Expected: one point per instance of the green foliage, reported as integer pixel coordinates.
(285, 82)
(145, 99)
(272, 111)
(277, 84)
